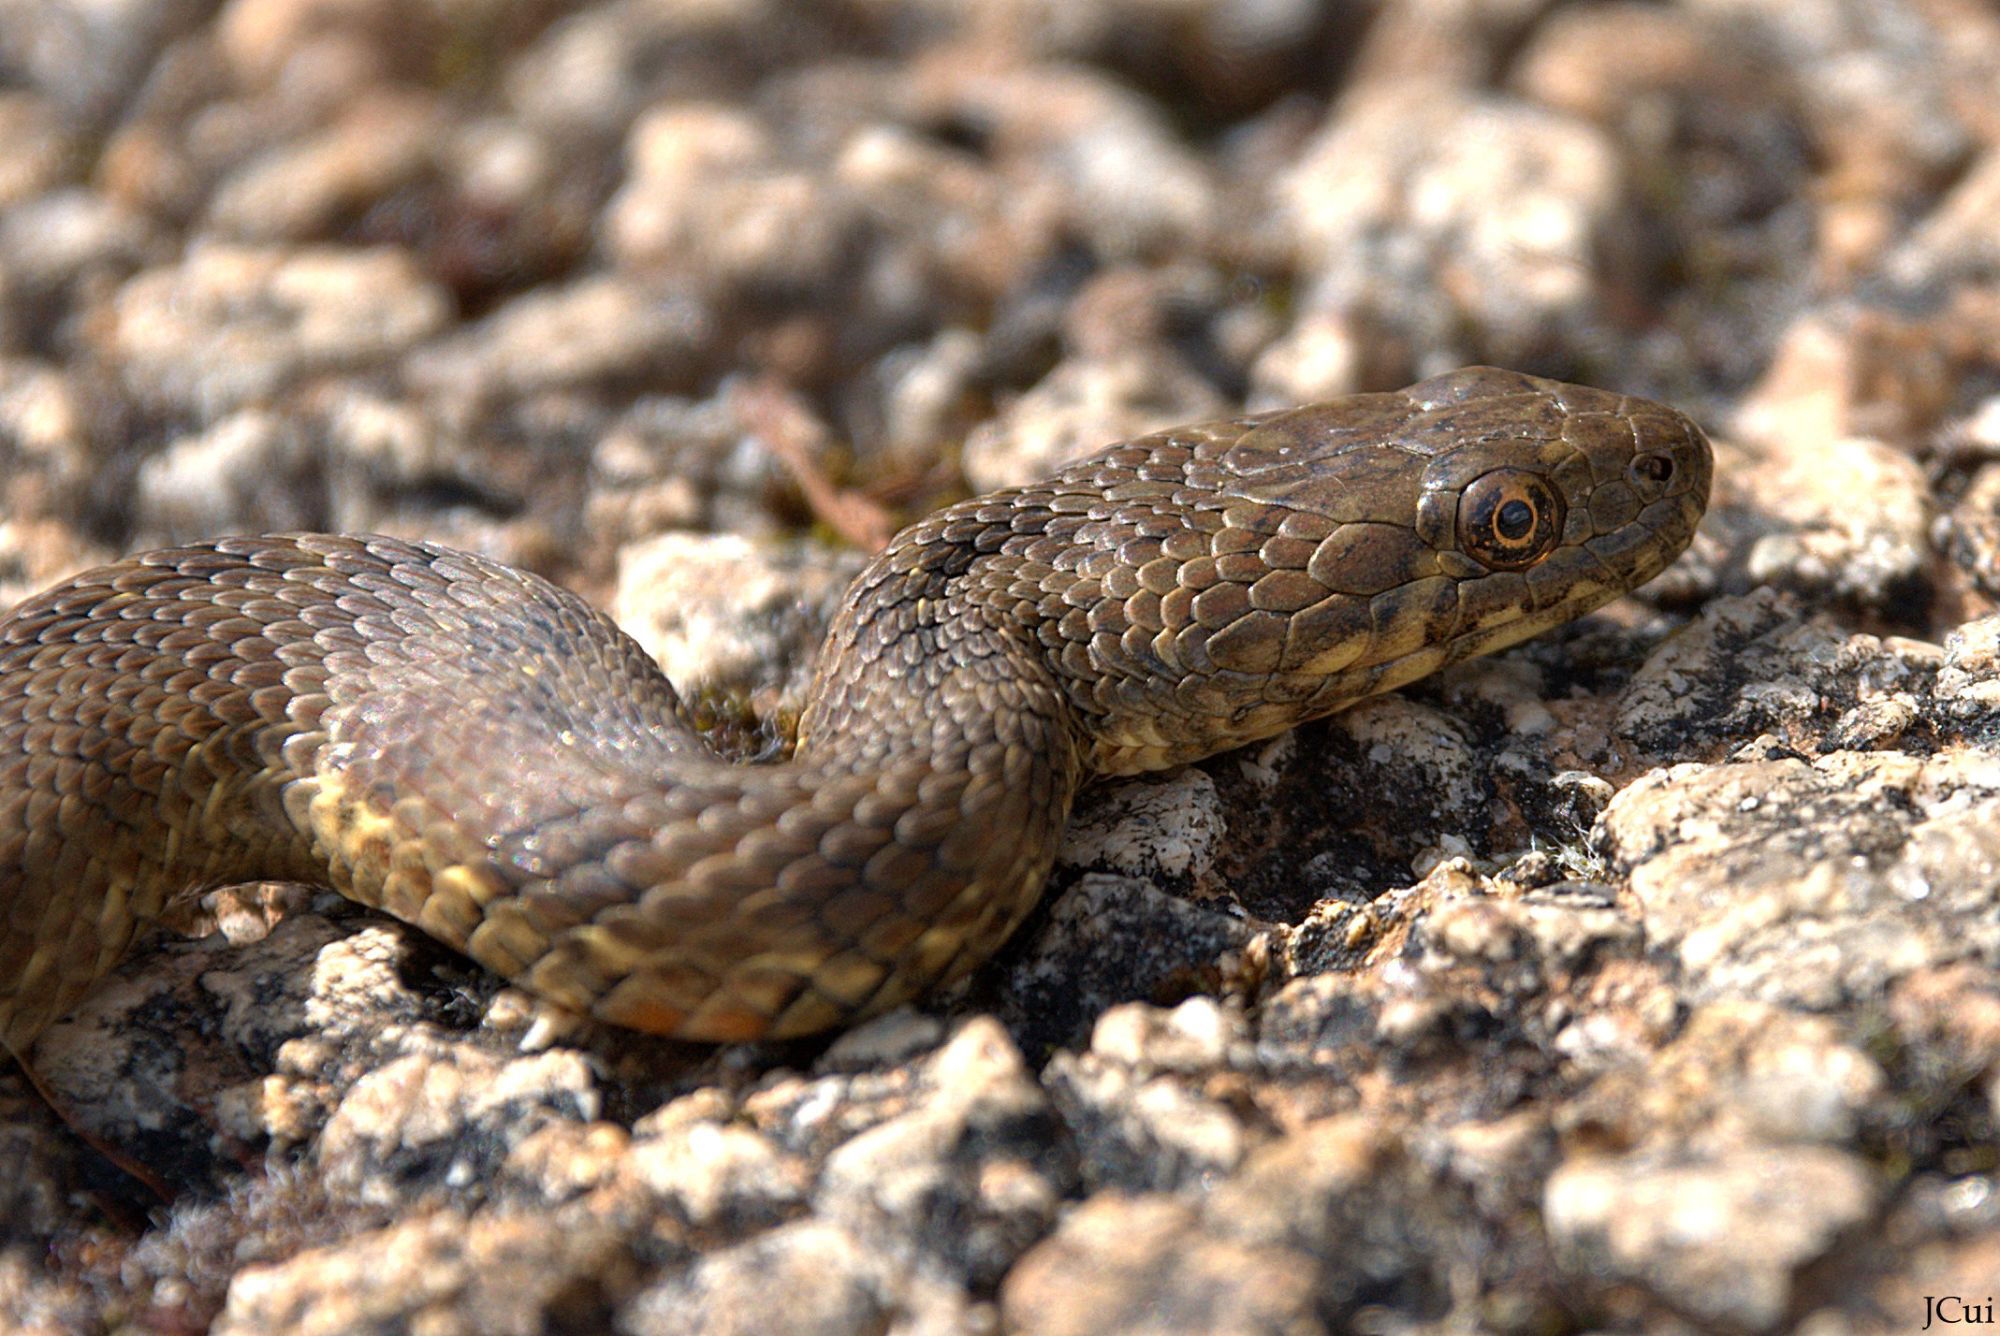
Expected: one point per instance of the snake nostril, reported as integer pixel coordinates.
(1653, 468)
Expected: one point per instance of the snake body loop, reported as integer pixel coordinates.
(480, 754)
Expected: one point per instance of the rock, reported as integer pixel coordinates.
(36, 1304)
(64, 238)
(33, 1202)
(1390, 213)
(1722, 1238)
(669, 463)
(229, 325)
(715, 1177)
(979, 1150)
(43, 147)
(443, 1271)
(725, 615)
(421, 1121)
(1127, 333)
(86, 55)
(1164, 830)
(809, 1278)
(1892, 873)
(1144, 1264)
(1968, 682)
(1140, 1132)
(253, 463)
(308, 188)
(1872, 554)
(1104, 160)
(596, 331)
(706, 197)
(1752, 666)
(1737, 1072)
(1091, 952)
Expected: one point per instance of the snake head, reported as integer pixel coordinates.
(1521, 503)
(1347, 548)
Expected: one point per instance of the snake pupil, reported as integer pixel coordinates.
(1514, 521)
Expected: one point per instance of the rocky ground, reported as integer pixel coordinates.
(1646, 977)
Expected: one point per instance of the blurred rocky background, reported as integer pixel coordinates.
(1644, 978)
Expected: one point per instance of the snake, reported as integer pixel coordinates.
(481, 754)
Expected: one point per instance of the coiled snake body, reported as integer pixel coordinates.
(480, 754)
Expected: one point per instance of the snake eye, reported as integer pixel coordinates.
(1509, 519)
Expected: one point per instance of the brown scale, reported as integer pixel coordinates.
(480, 754)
